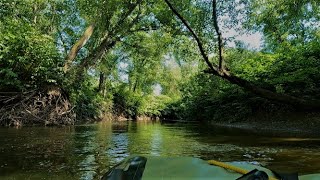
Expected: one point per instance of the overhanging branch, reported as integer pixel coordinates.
(201, 48)
(221, 72)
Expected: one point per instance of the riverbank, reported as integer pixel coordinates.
(47, 106)
(286, 124)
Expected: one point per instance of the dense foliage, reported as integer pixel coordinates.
(142, 60)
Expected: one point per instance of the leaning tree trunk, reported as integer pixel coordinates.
(219, 70)
(77, 46)
(267, 94)
(106, 44)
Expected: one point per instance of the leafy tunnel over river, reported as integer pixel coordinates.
(74, 73)
(88, 151)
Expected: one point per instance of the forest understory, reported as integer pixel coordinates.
(51, 107)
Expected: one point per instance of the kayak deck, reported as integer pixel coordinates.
(144, 167)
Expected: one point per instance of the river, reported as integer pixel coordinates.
(88, 151)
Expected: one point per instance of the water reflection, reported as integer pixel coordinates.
(86, 152)
(156, 143)
(86, 148)
(119, 147)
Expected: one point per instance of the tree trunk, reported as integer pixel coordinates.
(98, 53)
(94, 57)
(102, 79)
(107, 43)
(267, 94)
(77, 46)
(217, 29)
(135, 85)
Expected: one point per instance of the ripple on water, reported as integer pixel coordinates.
(86, 152)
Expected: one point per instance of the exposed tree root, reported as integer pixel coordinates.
(49, 106)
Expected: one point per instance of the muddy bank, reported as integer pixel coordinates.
(114, 117)
(287, 124)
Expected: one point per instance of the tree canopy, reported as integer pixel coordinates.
(168, 58)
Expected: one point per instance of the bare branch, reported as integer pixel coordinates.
(216, 27)
(201, 48)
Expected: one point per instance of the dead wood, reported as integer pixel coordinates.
(49, 106)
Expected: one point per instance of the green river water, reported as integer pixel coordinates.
(88, 151)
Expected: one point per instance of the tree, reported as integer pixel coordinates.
(221, 71)
(111, 27)
(28, 55)
(285, 23)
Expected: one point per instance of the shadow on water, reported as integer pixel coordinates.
(88, 151)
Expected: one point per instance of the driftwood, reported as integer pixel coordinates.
(49, 106)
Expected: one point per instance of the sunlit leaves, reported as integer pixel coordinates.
(281, 21)
(29, 56)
